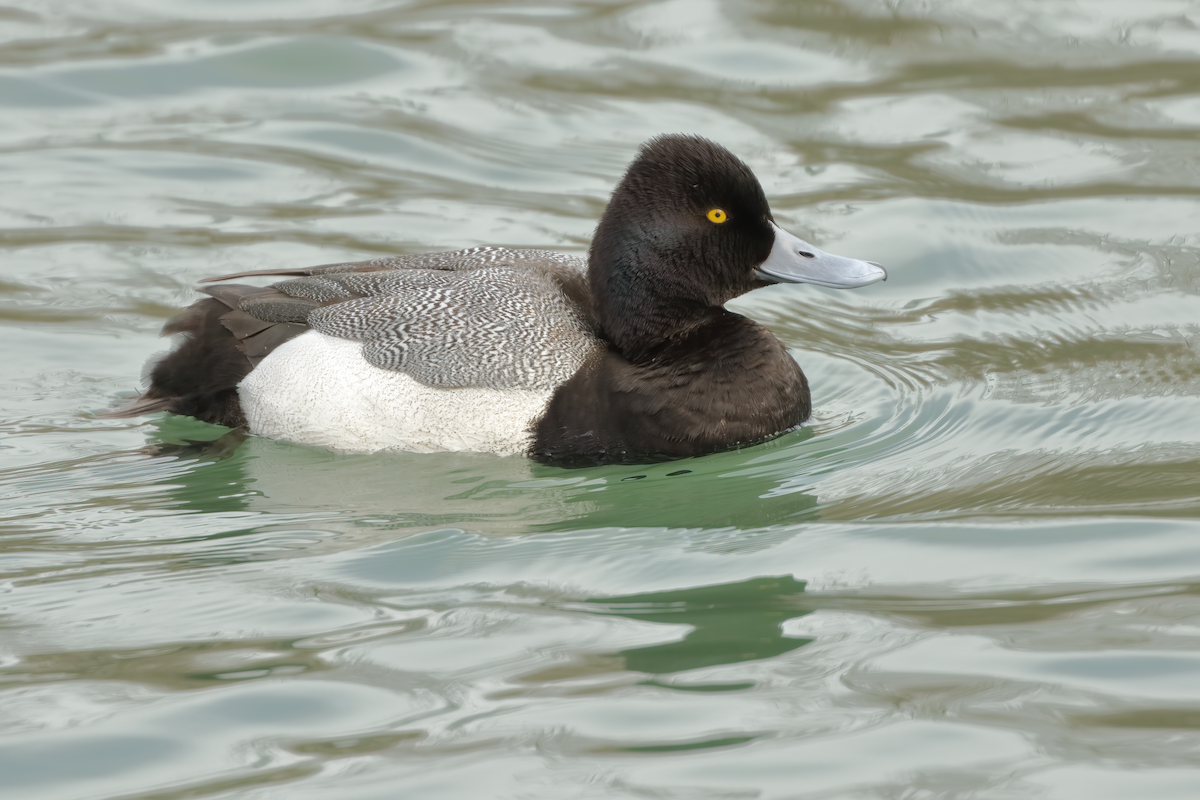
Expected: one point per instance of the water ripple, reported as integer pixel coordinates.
(973, 573)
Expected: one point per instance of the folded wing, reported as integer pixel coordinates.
(487, 317)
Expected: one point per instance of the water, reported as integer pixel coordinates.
(975, 574)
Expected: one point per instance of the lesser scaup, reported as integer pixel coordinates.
(627, 357)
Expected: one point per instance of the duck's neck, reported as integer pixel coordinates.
(643, 312)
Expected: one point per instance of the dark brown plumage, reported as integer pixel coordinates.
(219, 344)
(682, 376)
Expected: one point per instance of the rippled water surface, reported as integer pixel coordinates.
(976, 573)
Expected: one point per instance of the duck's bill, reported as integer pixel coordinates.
(794, 260)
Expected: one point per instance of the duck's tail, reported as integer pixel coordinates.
(218, 345)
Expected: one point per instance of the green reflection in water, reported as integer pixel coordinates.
(731, 623)
(735, 489)
(727, 741)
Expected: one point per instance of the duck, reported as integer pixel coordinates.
(627, 357)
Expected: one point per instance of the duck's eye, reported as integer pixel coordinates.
(717, 215)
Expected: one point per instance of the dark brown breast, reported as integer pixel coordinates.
(729, 384)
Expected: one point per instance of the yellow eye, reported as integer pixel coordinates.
(717, 215)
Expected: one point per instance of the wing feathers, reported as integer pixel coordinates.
(486, 316)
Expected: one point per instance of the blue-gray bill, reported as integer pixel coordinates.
(793, 260)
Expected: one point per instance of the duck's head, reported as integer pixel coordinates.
(689, 227)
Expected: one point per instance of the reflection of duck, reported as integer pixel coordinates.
(739, 490)
(732, 622)
(478, 493)
(630, 357)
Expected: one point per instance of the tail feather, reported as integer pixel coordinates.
(218, 345)
(136, 407)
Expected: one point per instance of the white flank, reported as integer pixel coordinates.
(319, 390)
